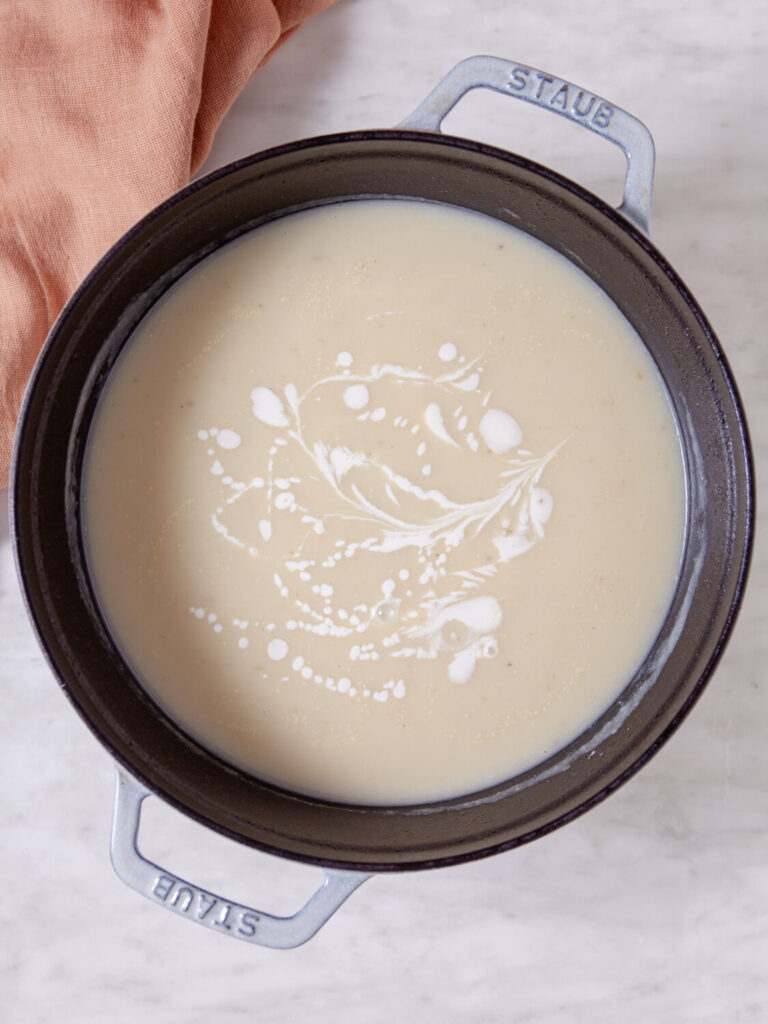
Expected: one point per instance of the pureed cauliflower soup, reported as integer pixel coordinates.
(384, 502)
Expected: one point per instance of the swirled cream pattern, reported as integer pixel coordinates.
(434, 592)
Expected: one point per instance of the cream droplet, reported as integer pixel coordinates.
(228, 439)
(268, 408)
(356, 396)
(386, 612)
(277, 649)
(500, 431)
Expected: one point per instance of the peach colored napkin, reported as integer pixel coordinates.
(106, 108)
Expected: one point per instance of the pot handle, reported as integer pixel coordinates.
(204, 907)
(561, 97)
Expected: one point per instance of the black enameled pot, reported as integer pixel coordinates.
(412, 161)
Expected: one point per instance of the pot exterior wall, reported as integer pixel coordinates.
(82, 349)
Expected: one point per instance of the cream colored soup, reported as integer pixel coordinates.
(384, 502)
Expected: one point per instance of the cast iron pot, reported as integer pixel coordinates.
(415, 161)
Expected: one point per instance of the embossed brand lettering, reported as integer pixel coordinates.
(543, 80)
(186, 899)
(555, 93)
(560, 99)
(519, 78)
(603, 116)
(203, 910)
(577, 104)
(163, 886)
(184, 893)
(248, 923)
(223, 922)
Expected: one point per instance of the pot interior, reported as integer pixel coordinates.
(77, 361)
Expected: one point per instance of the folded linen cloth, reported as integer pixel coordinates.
(106, 108)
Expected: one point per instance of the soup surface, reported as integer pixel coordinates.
(384, 502)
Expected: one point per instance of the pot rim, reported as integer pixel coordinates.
(602, 210)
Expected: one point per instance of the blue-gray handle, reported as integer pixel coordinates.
(204, 907)
(561, 97)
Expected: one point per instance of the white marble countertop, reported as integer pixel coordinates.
(652, 907)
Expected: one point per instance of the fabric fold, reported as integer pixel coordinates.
(107, 107)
